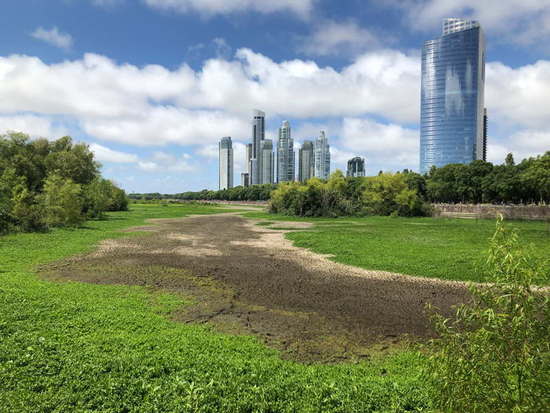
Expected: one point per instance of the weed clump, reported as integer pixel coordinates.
(494, 356)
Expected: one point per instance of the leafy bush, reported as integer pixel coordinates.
(494, 356)
(63, 202)
(386, 194)
(55, 183)
(389, 194)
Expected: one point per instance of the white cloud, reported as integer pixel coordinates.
(523, 144)
(335, 38)
(54, 37)
(155, 106)
(519, 96)
(386, 144)
(104, 154)
(32, 125)
(166, 162)
(167, 124)
(521, 21)
(301, 8)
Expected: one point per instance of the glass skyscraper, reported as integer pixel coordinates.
(321, 154)
(452, 101)
(285, 154)
(258, 135)
(225, 180)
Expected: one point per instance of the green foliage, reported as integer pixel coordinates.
(494, 356)
(63, 202)
(526, 182)
(390, 194)
(85, 347)
(385, 194)
(101, 195)
(27, 210)
(25, 168)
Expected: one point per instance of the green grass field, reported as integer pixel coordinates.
(451, 249)
(84, 347)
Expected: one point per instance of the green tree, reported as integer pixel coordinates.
(494, 356)
(63, 202)
(27, 211)
(72, 161)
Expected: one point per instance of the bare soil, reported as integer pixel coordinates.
(248, 279)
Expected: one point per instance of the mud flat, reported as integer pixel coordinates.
(248, 279)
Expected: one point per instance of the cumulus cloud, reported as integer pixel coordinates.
(167, 124)
(338, 38)
(33, 125)
(166, 162)
(54, 37)
(104, 154)
(301, 8)
(387, 144)
(519, 96)
(377, 95)
(520, 21)
(523, 144)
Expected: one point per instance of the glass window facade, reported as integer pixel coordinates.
(452, 101)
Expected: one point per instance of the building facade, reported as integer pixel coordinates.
(225, 180)
(267, 162)
(245, 179)
(322, 157)
(306, 162)
(452, 96)
(356, 167)
(285, 154)
(258, 135)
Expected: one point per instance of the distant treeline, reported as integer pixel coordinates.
(404, 193)
(238, 193)
(46, 184)
(482, 182)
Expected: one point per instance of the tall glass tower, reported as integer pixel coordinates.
(225, 163)
(321, 153)
(285, 154)
(258, 135)
(306, 162)
(452, 101)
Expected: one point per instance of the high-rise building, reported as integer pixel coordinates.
(452, 101)
(322, 157)
(248, 158)
(485, 125)
(258, 135)
(356, 167)
(285, 154)
(225, 163)
(267, 162)
(245, 179)
(306, 162)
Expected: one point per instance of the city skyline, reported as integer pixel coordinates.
(267, 164)
(153, 92)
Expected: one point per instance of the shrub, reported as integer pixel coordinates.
(63, 202)
(494, 356)
(390, 194)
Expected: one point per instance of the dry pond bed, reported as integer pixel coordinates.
(248, 279)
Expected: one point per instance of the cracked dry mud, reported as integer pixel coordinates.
(248, 279)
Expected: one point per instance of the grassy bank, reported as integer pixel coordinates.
(83, 347)
(451, 249)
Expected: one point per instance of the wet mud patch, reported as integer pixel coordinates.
(248, 279)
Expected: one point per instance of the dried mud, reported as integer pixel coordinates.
(248, 279)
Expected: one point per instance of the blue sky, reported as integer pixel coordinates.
(152, 85)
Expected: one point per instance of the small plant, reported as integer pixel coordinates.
(494, 356)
